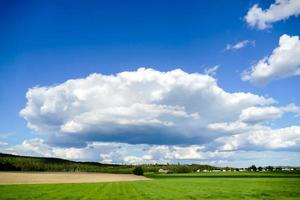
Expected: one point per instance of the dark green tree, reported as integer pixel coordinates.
(183, 169)
(253, 168)
(138, 171)
(269, 168)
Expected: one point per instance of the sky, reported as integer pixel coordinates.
(214, 82)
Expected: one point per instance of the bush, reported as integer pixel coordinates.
(138, 171)
(183, 169)
(8, 167)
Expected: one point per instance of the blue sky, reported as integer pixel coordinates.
(46, 43)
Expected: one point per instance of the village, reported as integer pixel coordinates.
(253, 168)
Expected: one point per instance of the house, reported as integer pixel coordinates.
(163, 171)
(205, 170)
(286, 169)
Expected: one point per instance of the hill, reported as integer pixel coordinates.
(10, 162)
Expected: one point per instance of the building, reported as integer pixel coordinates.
(286, 169)
(163, 171)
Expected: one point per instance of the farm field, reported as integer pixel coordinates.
(188, 187)
(63, 177)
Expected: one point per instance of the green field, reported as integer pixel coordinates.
(245, 174)
(188, 186)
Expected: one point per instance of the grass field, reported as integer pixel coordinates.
(189, 186)
(245, 174)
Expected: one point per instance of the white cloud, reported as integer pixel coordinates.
(224, 150)
(148, 116)
(4, 135)
(260, 114)
(3, 144)
(143, 106)
(249, 131)
(254, 118)
(280, 10)
(189, 153)
(118, 152)
(265, 138)
(38, 147)
(292, 108)
(212, 71)
(138, 160)
(105, 152)
(230, 127)
(240, 45)
(282, 63)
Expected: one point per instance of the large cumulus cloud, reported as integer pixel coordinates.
(143, 106)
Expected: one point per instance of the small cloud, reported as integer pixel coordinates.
(5, 135)
(212, 71)
(240, 45)
(280, 10)
(3, 143)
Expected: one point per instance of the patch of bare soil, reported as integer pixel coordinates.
(63, 177)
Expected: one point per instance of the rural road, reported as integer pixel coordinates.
(64, 177)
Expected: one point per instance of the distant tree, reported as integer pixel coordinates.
(278, 169)
(183, 169)
(138, 171)
(253, 168)
(8, 167)
(260, 168)
(269, 168)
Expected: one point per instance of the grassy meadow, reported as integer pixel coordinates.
(245, 174)
(170, 186)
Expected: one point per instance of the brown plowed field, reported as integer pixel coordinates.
(63, 177)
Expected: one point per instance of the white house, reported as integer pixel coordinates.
(164, 171)
(286, 169)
